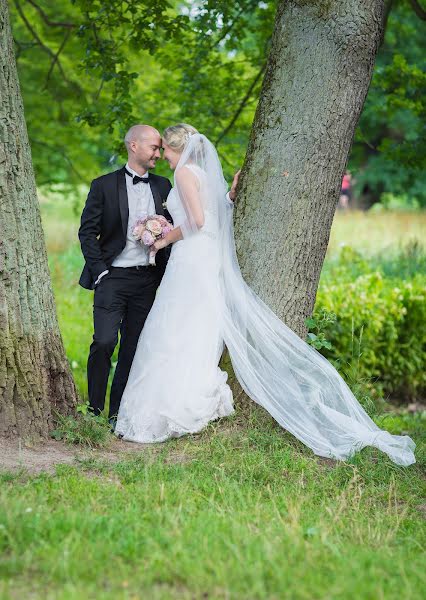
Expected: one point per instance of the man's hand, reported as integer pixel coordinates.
(233, 190)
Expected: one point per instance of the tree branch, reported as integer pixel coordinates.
(419, 10)
(62, 153)
(365, 140)
(56, 57)
(39, 41)
(242, 10)
(240, 108)
(386, 12)
(47, 20)
(22, 46)
(226, 31)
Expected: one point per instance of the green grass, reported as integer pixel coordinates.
(83, 429)
(232, 513)
(241, 511)
(374, 233)
(75, 309)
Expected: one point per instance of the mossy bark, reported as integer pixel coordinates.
(35, 379)
(317, 77)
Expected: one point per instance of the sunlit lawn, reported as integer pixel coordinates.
(241, 511)
(371, 232)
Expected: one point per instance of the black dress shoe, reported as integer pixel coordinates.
(113, 422)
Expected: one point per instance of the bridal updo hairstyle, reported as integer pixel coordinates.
(177, 136)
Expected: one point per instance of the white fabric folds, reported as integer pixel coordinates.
(278, 370)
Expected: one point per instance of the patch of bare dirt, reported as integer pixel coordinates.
(45, 456)
(422, 509)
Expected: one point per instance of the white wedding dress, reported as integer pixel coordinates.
(175, 386)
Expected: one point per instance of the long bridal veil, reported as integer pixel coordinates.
(290, 379)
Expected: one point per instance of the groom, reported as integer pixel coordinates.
(116, 266)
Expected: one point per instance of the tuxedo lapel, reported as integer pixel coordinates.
(157, 197)
(123, 200)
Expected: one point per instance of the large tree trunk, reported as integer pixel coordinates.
(316, 81)
(35, 378)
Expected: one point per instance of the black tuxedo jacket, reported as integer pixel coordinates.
(104, 221)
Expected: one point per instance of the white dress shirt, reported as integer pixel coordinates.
(141, 204)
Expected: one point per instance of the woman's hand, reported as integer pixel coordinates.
(233, 190)
(159, 244)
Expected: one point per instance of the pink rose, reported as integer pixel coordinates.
(138, 231)
(154, 226)
(147, 238)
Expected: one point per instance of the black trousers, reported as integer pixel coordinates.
(122, 301)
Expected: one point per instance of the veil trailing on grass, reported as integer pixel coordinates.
(290, 379)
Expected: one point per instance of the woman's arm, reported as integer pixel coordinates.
(188, 188)
(173, 236)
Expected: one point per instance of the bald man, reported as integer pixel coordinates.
(116, 266)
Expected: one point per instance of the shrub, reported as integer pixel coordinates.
(380, 320)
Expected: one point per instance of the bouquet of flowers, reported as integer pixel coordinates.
(150, 229)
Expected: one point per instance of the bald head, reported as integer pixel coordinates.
(143, 144)
(139, 132)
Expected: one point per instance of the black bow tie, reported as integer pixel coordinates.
(137, 179)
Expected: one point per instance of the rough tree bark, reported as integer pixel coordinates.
(35, 377)
(318, 73)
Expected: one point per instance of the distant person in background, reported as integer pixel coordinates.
(346, 191)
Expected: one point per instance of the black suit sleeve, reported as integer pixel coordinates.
(90, 228)
(168, 187)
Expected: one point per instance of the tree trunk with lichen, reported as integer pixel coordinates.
(35, 379)
(318, 73)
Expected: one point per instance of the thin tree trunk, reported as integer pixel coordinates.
(35, 379)
(317, 77)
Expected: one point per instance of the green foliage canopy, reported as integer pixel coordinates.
(90, 69)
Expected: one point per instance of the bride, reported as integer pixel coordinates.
(175, 386)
